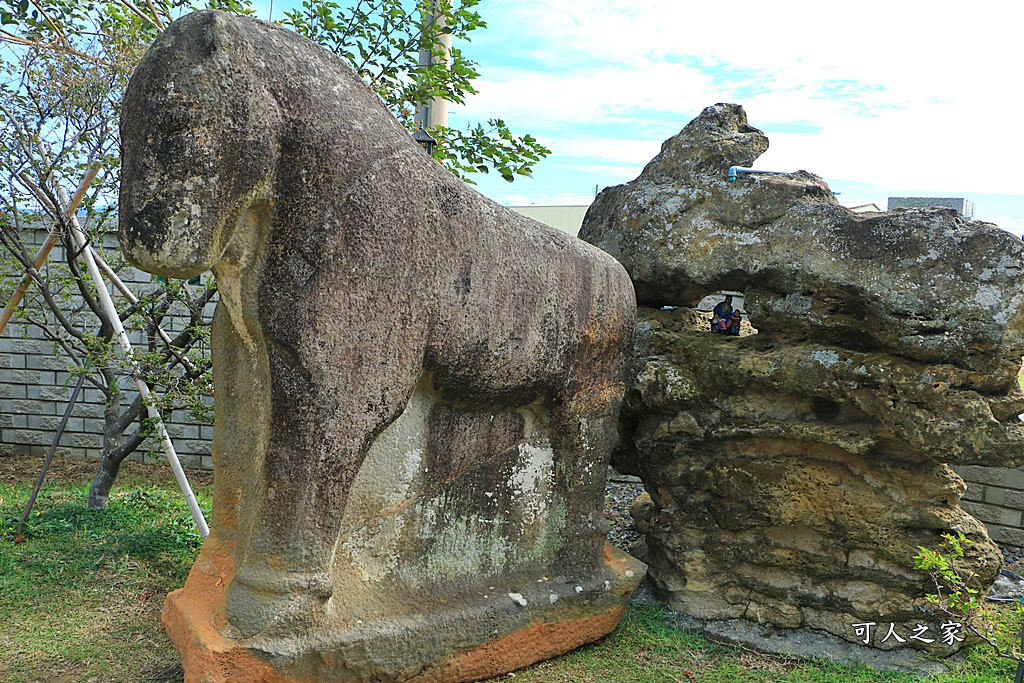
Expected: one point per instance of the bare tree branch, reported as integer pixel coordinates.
(8, 37)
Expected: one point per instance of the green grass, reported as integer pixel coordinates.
(80, 598)
(645, 648)
(80, 593)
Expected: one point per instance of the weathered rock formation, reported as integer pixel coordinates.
(792, 473)
(417, 389)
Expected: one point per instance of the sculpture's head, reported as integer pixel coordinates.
(199, 141)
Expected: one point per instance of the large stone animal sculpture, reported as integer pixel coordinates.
(416, 389)
(793, 473)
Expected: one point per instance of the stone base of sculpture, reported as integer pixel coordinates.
(497, 633)
(454, 563)
(812, 643)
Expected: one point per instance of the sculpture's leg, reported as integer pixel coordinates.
(323, 422)
(584, 430)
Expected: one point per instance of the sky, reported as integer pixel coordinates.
(897, 98)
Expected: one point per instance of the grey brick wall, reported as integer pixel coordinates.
(35, 386)
(995, 495)
(964, 206)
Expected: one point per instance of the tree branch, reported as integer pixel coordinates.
(127, 416)
(156, 15)
(56, 29)
(71, 257)
(8, 37)
(139, 13)
(126, 447)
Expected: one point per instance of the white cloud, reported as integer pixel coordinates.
(611, 150)
(907, 41)
(623, 173)
(545, 199)
(899, 93)
(589, 97)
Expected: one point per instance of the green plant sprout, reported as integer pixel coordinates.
(951, 573)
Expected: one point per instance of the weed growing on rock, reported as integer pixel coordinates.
(952, 576)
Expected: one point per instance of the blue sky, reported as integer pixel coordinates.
(879, 98)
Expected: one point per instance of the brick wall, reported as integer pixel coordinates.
(35, 386)
(995, 495)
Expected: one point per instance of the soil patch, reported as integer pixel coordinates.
(24, 469)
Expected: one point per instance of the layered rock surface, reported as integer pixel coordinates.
(794, 472)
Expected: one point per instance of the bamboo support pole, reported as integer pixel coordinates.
(26, 280)
(44, 251)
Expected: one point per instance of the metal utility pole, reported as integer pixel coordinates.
(434, 112)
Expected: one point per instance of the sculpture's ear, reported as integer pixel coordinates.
(218, 32)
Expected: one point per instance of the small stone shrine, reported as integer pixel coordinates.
(417, 389)
(793, 473)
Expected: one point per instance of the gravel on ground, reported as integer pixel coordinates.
(618, 496)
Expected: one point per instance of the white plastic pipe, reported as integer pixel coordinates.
(115, 320)
(126, 345)
(132, 299)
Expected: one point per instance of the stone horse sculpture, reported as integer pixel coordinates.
(417, 389)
